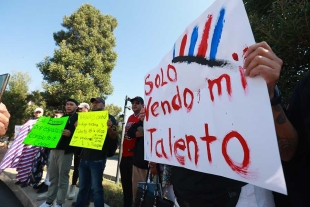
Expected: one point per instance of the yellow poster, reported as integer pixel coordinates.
(91, 130)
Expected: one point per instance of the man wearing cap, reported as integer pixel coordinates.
(61, 159)
(126, 165)
(93, 163)
(38, 112)
(43, 187)
(84, 107)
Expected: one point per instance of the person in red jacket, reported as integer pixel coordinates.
(127, 155)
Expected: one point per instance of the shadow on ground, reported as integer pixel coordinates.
(7, 197)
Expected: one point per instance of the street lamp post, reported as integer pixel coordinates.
(122, 139)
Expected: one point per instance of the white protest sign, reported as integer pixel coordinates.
(17, 130)
(203, 114)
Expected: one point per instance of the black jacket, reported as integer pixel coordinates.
(204, 190)
(109, 146)
(64, 141)
(297, 170)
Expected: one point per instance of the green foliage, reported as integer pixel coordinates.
(113, 109)
(284, 25)
(113, 194)
(82, 65)
(15, 98)
(36, 98)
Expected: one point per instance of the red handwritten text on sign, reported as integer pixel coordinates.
(185, 99)
(182, 144)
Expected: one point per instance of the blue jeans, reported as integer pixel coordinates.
(90, 194)
(90, 175)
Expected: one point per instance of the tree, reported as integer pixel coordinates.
(284, 25)
(82, 65)
(15, 98)
(113, 109)
(36, 99)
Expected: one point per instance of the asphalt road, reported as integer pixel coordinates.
(7, 197)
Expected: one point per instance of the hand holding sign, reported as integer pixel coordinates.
(142, 114)
(66, 133)
(110, 124)
(203, 79)
(261, 60)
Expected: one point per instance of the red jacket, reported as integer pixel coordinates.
(129, 142)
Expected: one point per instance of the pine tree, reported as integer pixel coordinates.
(82, 65)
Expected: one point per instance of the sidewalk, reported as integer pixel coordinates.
(28, 195)
(110, 168)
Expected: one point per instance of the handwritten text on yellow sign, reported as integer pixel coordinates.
(91, 130)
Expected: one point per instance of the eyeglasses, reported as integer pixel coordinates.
(38, 112)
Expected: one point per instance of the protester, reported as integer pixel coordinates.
(297, 170)
(45, 158)
(164, 170)
(164, 176)
(4, 119)
(36, 172)
(127, 155)
(93, 163)
(83, 107)
(61, 159)
(198, 189)
(28, 155)
(16, 156)
(140, 166)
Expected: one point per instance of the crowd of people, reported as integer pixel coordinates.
(187, 188)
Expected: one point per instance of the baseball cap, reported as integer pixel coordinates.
(137, 98)
(97, 99)
(73, 100)
(39, 109)
(84, 105)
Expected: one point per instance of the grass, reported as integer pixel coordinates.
(113, 194)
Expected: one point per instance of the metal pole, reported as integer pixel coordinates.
(122, 140)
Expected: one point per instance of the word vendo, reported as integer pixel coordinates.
(182, 144)
(184, 98)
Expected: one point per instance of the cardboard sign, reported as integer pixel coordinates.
(203, 114)
(46, 132)
(17, 130)
(91, 130)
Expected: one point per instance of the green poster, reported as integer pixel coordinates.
(46, 132)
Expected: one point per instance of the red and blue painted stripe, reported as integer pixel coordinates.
(200, 57)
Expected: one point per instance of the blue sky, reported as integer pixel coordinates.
(146, 32)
